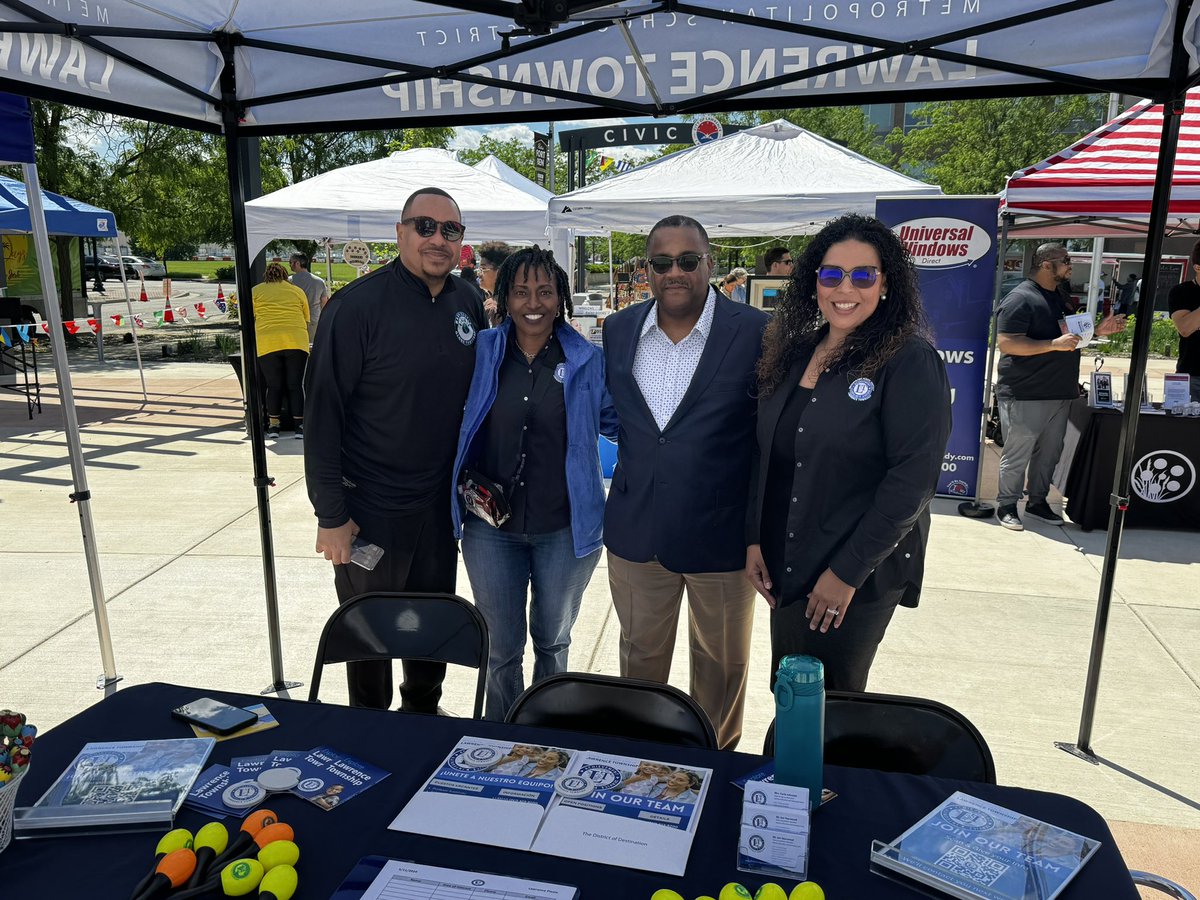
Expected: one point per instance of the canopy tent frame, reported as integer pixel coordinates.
(20, 140)
(226, 112)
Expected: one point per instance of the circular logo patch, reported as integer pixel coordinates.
(560, 372)
(1163, 476)
(757, 843)
(968, 818)
(602, 778)
(958, 486)
(477, 758)
(758, 797)
(464, 328)
(574, 786)
(241, 870)
(706, 130)
(862, 389)
(309, 785)
(760, 821)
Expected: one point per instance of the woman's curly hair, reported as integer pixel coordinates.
(798, 323)
(519, 263)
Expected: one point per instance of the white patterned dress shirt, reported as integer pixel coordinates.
(662, 369)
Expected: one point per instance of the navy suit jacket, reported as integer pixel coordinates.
(679, 495)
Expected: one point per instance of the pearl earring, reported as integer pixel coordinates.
(883, 296)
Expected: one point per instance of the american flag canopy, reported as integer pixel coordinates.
(1109, 174)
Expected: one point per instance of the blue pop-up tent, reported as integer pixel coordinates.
(63, 214)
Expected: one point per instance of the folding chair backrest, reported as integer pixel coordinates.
(623, 707)
(437, 627)
(901, 734)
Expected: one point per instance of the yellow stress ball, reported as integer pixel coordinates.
(665, 894)
(770, 891)
(734, 891)
(807, 890)
(705, 897)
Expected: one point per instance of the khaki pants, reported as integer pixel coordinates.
(647, 599)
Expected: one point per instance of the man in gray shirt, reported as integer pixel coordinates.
(314, 289)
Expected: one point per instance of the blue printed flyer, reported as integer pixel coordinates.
(329, 778)
(640, 813)
(974, 850)
(487, 792)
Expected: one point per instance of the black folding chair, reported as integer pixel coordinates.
(434, 627)
(901, 734)
(622, 707)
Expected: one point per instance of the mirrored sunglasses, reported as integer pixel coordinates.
(860, 276)
(687, 262)
(425, 227)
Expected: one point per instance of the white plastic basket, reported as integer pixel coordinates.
(8, 799)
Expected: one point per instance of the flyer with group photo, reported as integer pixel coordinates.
(487, 792)
(640, 813)
(619, 810)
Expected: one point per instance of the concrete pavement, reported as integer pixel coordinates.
(1002, 633)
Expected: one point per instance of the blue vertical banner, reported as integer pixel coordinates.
(952, 241)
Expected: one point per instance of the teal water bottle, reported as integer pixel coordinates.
(800, 724)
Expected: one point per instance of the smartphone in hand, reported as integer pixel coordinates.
(365, 554)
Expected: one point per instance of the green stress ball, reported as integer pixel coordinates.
(705, 897)
(278, 853)
(734, 891)
(278, 884)
(665, 894)
(807, 890)
(770, 891)
(241, 877)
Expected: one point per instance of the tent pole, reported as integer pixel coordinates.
(137, 347)
(1119, 501)
(974, 509)
(611, 287)
(258, 453)
(82, 497)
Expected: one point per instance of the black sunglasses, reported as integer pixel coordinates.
(860, 276)
(425, 227)
(687, 262)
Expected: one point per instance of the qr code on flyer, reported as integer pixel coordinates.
(973, 866)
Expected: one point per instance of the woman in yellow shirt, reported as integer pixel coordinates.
(281, 330)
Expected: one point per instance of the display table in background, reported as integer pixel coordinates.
(1166, 492)
(870, 805)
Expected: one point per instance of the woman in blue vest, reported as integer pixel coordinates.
(533, 415)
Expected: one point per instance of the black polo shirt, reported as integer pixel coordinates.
(1036, 313)
(523, 443)
(384, 393)
(1185, 297)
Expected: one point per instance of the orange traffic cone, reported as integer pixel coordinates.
(143, 298)
(221, 298)
(168, 312)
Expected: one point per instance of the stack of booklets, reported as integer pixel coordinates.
(974, 850)
(620, 810)
(117, 786)
(323, 776)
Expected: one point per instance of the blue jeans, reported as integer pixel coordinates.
(503, 566)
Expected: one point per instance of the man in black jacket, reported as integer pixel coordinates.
(681, 371)
(384, 394)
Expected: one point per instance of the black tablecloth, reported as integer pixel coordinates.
(871, 805)
(1089, 460)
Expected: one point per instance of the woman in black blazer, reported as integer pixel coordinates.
(853, 419)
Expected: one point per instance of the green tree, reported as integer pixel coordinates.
(972, 146)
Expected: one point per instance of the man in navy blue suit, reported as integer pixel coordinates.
(681, 371)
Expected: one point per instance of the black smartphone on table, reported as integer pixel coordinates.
(215, 716)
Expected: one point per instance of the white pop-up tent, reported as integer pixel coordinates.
(363, 202)
(775, 179)
(496, 167)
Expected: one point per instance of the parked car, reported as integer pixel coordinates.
(146, 267)
(108, 267)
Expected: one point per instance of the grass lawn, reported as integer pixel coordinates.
(195, 270)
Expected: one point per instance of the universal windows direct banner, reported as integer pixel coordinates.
(952, 241)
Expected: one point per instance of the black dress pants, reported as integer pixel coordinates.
(846, 652)
(423, 556)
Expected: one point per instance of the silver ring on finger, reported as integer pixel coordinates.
(832, 612)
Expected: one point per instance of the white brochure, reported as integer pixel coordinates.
(632, 812)
(1081, 325)
(487, 792)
